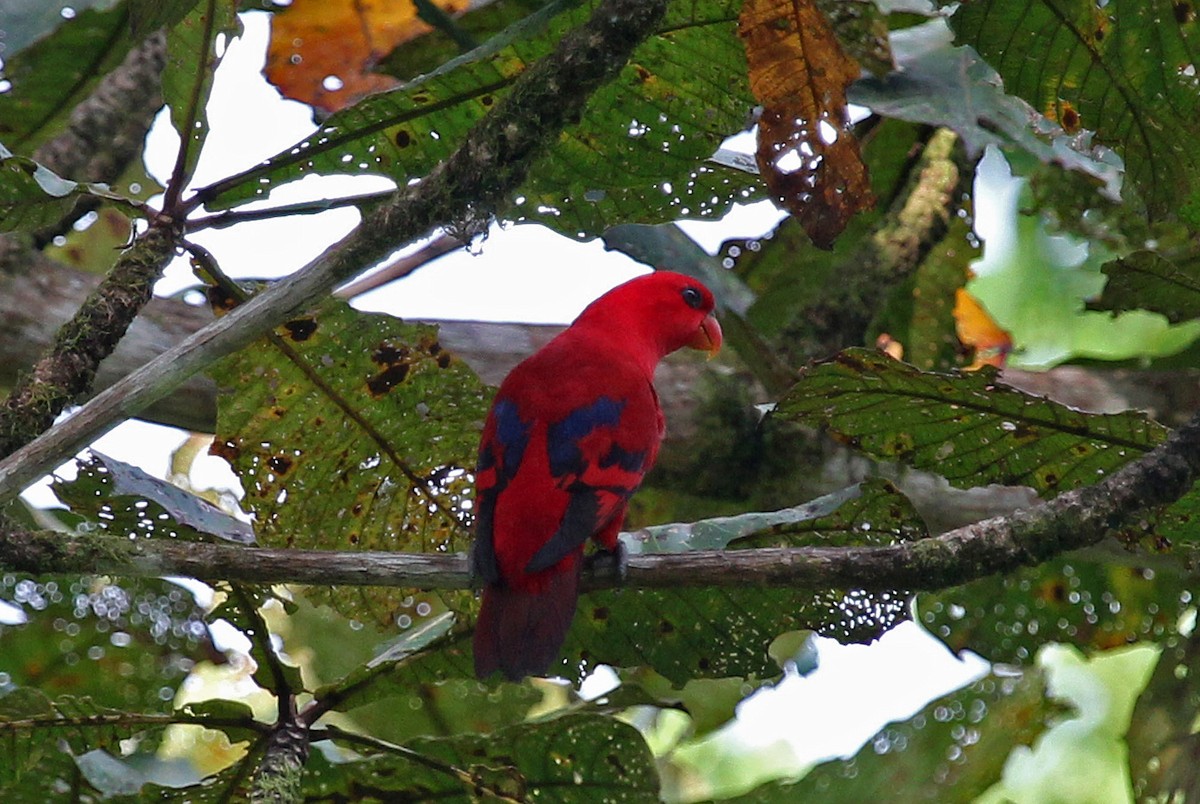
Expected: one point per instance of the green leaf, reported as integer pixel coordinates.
(948, 86)
(361, 423)
(124, 500)
(639, 154)
(194, 48)
(1145, 280)
(150, 15)
(32, 196)
(1093, 604)
(1071, 61)
(578, 758)
(367, 682)
(27, 21)
(34, 730)
(969, 428)
(50, 77)
(685, 634)
(953, 750)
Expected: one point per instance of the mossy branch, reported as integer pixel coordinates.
(65, 374)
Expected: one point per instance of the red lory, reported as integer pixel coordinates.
(571, 433)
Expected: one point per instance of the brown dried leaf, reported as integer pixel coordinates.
(323, 52)
(806, 153)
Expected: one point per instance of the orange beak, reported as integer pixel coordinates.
(708, 337)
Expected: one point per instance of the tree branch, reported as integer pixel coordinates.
(66, 373)
(464, 190)
(1072, 521)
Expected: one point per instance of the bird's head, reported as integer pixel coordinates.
(656, 314)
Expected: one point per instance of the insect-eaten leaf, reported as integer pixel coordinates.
(692, 633)
(361, 423)
(807, 154)
(968, 427)
(124, 500)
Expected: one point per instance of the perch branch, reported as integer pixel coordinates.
(1073, 520)
(464, 189)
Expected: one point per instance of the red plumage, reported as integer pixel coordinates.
(570, 434)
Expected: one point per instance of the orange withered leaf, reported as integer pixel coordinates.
(978, 330)
(807, 155)
(322, 51)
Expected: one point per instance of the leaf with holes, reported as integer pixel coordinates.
(952, 750)
(361, 423)
(577, 758)
(194, 48)
(1071, 61)
(124, 500)
(1145, 280)
(639, 155)
(711, 633)
(1093, 604)
(807, 153)
(969, 428)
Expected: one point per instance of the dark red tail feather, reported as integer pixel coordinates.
(520, 633)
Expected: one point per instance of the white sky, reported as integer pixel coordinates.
(522, 273)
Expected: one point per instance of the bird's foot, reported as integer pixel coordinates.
(610, 563)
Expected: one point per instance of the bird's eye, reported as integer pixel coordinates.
(692, 298)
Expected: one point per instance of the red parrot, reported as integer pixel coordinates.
(570, 434)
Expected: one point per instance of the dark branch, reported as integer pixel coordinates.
(1072, 521)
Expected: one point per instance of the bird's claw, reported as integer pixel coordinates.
(610, 563)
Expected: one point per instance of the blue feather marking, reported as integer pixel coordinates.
(579, 522)
(511, 437)
(513, 434)
(564, 435)
(628, 460)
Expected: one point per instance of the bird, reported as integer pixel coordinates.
(569, 436)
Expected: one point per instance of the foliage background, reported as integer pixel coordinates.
(335, 689)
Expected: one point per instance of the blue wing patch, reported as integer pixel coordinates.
(504, 454)
(563, 436)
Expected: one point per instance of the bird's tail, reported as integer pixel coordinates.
(520, 633)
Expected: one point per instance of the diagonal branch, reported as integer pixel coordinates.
(1072, 521)
(463, 191)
